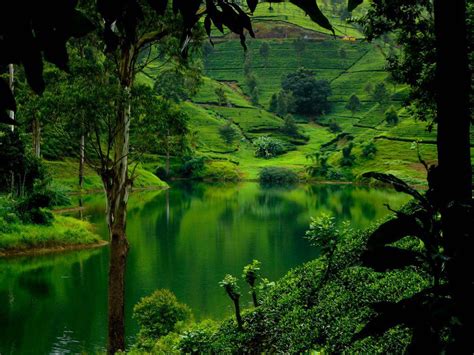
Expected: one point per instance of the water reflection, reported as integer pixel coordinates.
(184, 239)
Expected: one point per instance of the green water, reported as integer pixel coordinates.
(185, 239)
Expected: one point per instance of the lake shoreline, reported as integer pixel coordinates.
(13, 253)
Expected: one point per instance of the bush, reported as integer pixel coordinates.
(334, 127)
(348, 158)
(228, 133)
(198, 339)
(277, 176)
(266, 147)
(35, 207)
(192, 167)
(16, 160)
(221, 171)
(391, 116)
(159, 314)
(289, 126)
(369, 150)
(161, 173)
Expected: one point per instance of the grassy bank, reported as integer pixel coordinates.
(65, 174)
(64, 233)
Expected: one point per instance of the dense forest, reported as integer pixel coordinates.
(229, 176)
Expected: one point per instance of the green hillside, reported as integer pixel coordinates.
(351, 65)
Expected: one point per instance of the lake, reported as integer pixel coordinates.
(184, 239)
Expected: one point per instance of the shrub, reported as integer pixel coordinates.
(277, 176)
(391, 116)
(334, 127)
(228, 133)
(221, 171)
(198, 339)
(369, 150)
(289, 126)
(161, 173)
(347, 157)
(159, 314)
(266, 147)
(34, 207)
(192, 167)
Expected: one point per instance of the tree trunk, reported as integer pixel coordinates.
(11, 84)
(168, 154)
(81, 161)
(238, 317)
(117, 187)
(36, 137)
(453, 186)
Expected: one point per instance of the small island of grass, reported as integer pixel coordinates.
(64, 233)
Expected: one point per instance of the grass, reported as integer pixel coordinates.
(63, 233)
(292, 14)
(65, 174)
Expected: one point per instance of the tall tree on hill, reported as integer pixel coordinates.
(264, 51)
(310, 95)
(380, 94)
(353, 104)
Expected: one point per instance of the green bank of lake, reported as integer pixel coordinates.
(184, 239)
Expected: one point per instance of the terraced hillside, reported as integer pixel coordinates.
(350, 65)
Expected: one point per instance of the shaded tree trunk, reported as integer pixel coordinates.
(238, 317)
(168, 154)
(81, 160)
(117, 187)
(11, 84)
(36, 128)
(453, 183)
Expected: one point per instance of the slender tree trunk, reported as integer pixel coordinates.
(36, 137)
(11, 84)
(254, 297)
(81, 160)
(168, 154)
(117, 187)
(453, 185)
(238, 317)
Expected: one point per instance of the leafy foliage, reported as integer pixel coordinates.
(159, 314)
(391, 116)
(430, 312)
(310, 95)
(228, 133)
(266, 147)
(18, 168)
(369, 150)
(347, 157)
(272, 175)
(353, 104)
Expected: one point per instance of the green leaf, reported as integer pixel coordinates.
(353, 4)
(313, 11)
(252, 4)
